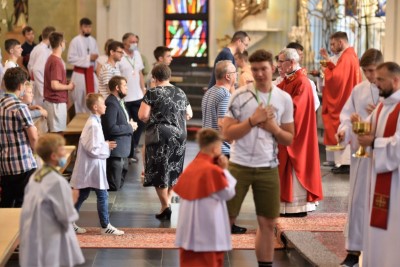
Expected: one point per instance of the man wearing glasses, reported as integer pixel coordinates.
(239, 43)
(115, 51)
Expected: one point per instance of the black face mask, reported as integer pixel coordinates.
(121, 95)
(86, 34)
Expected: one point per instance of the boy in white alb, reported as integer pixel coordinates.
(90, 167)
(203, 231)
(46, 234)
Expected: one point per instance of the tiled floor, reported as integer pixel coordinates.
(135, 206)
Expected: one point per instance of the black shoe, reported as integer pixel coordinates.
(294, 215)
(351, 260)
(342, 169)
(237, 229)
(165, 215)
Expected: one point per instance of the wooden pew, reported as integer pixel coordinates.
(9, 233)
(74, 128)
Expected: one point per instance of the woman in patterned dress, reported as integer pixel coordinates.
(165, 109)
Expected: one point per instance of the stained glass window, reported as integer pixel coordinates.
(186, 29)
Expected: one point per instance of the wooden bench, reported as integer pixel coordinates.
(9, 233)
(74, 128)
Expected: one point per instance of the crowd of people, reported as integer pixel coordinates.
(256, 132)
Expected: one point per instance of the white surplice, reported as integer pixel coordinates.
(362, 95)
(90, 164)
(36, 64)
(381, 246)
(47, 237)
(79, 52)
(203, 224)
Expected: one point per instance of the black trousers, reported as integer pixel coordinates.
(116, 172)
(133, 109)
(12, 189)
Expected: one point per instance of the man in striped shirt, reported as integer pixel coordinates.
(215, 101)
(18, 137)
(115, 51)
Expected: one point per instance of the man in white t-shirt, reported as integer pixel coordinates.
(131, 66)
(259, 116)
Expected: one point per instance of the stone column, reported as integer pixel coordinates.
(392, 34)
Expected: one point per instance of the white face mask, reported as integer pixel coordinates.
(133, 47)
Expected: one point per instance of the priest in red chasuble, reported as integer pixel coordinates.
(299, 164)
(341, 74)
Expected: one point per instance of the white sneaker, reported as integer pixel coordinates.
(111, 230)
(78, 230)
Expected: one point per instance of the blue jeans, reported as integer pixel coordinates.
(102, 203)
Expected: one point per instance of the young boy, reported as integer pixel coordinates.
(362, 101)
(203, 230)
(14, 50)
(28, 45)
(46, 234)
(27, 97)
(90, 167)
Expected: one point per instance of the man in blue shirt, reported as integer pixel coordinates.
(239, 43)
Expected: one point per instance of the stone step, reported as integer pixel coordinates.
(195, 100)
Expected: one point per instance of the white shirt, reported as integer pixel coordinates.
(257, 148)
(90, 165)
(130, 68)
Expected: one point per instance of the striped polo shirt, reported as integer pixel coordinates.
(213, 106)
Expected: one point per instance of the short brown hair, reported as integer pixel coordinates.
(239, 35)
(26, 29)
(391, 67)
(339, 35)
(262, 55)
(160, 51)
(47, 31)
(207, 136)
(113, 46)
(115, 81)
(56, 39)
(161, 72)
(49, 143)
(92, 99)
(243, 56)
(371, 57)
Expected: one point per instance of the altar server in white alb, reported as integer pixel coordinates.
(82, 53)
(90, 167)
(37, 61)
(46, 234)
(203, 233)
(383, 235)
(361, 103)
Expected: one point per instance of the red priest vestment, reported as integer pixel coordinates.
(340, 80)
(302, 155)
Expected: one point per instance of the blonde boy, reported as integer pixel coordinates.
(90, 167)
(46, 234)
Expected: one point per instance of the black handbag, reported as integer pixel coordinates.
(152, 136)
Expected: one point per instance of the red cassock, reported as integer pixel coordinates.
(339, 82)
(303, 154)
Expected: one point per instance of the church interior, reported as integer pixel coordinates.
(196, 31)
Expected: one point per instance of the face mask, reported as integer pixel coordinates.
(133, 47)
(62, 161)
(86, 34)
(121, 95)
